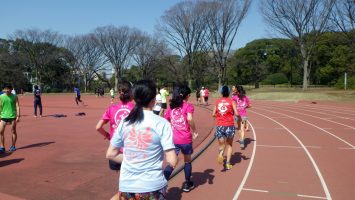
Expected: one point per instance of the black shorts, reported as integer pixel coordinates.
(206, 98)
(164, 106)
(8, 120)
(114, 166)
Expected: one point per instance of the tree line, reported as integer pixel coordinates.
(192, 45)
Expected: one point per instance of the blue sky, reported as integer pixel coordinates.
(74, 17)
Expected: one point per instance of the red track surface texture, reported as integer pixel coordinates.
(295, 151)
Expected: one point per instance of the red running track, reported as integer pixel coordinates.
(296, 151)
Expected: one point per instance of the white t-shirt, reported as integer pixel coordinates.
(158, 101)
(144, 145)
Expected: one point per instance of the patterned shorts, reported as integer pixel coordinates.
(156, 195)
(225, 131)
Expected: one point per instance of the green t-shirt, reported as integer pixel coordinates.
(8, 106)
(164, 93)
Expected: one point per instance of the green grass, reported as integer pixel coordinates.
(297, 94)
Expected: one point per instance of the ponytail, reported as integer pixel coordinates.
(144, 91)
(179, 94)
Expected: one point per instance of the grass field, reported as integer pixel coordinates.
(297, 94)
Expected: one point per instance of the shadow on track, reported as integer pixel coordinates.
(199, 178)
(41, 144)
(10, 162)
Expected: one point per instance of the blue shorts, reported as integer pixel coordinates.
(225, 131)
(186, 149)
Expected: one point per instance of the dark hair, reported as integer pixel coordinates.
(179, 94)
(241, 91)
(125, 91)
(144, 91)
(8, 86)
(225, 91)
(36, 87)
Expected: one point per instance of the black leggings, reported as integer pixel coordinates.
(38, 103)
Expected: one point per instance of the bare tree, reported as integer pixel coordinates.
(37, 44)
(89, 59)
(223, 19)
(300, 20)
(343, 18)
(147, 53)
(185, 29)
(117, 44)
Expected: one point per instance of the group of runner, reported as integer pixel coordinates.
(142, 133)
(140, 139)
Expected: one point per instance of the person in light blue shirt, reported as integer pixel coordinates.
(146, 139)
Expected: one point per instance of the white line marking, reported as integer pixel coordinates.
(352, 146)
(346, 148)
(324, 185)
(308, 196)
(249, 166)
(299, 195)
(326, 119)
(291, 147)
(254, 190)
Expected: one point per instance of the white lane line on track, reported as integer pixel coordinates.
(308, 196)
(254, 190)
(322, 118)
(299, 195)
(346, 148)
(328, 114)
(324, 185)
(291, 147)
(239, 190)
(352, 146)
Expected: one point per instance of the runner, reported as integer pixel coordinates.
(9, 115)
(37, 101)
(146, 139)
(198, 96)
(157, 105)
(164, 94)
(224, 110)
(202, 94)
(180, 115)
(112, 93)
(243, 103)
(207, 93)
(114, 114)
(77, 96)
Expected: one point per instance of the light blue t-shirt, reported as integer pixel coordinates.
(144, 145)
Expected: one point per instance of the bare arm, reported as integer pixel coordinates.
(192, 125)
(235, 108)
(17, 110)
(114, 154)
(214, 112)
(171, 157)
(101, 130)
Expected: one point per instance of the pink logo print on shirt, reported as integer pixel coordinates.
(177, 119)
(141, 140)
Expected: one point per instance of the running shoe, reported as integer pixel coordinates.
(12, 148)
(242, 145)
(220, 159)
(187, 186)
(2, 150)
(228, 166)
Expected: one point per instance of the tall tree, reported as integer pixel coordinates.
(117, 44)
(185, 30)
(147, 53)
(301, 20)
(38, 45)
(223, 19)
(90, 60)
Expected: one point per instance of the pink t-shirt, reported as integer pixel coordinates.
(115, 113)
(178, 119)
(242, 105)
